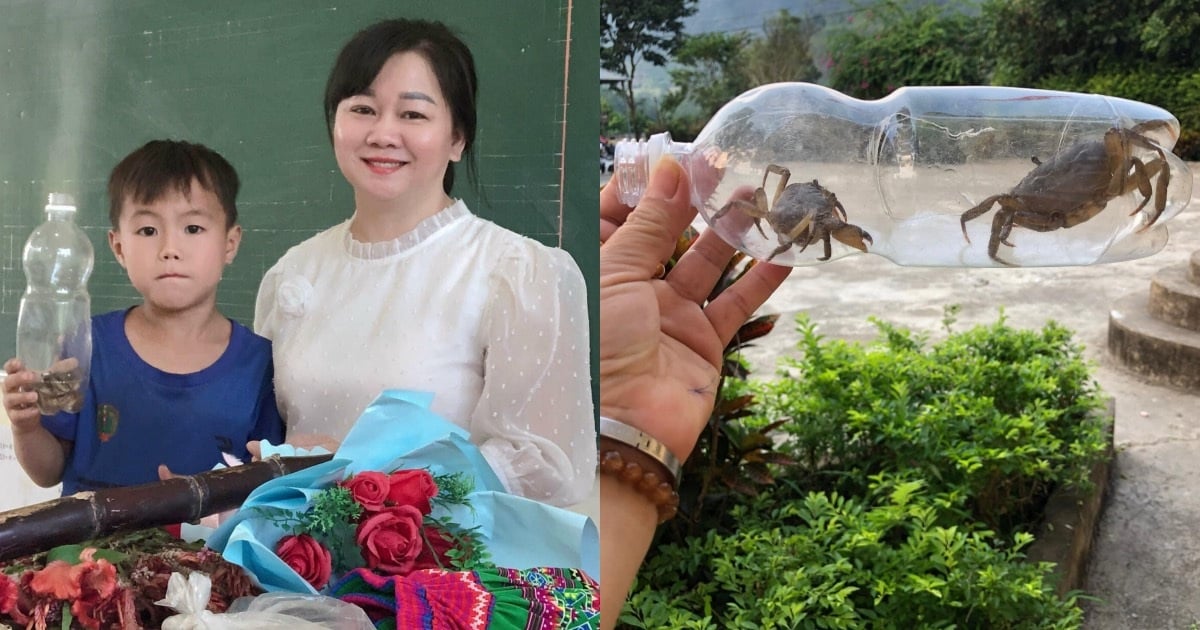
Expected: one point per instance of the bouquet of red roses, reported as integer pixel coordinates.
(382, 521)
(409, 522)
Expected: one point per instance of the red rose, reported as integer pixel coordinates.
(369, 489)
(413, 487)
(433, 552)
(391, 539)
(307, 557)
(8, 594)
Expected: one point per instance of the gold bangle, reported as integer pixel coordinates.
(660, 493)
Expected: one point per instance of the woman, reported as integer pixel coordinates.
(415, 292)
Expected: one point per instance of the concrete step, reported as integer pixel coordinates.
(1154, 350)
(1175, 298)
(1194, 267)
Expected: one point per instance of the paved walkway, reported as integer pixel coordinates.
(1146, 563)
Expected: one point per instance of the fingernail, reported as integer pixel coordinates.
(665, 180)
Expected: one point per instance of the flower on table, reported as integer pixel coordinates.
(88, 589)
(110, 583)
(8, 594)
(307, 557)
(381, 521)
(412, 487)
(390, 539)
(368, 489)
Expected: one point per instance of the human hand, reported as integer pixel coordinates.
(660, 346)
(20, 401)
(306, 441)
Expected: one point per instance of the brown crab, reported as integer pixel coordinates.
(800, 214)
(1076, 184)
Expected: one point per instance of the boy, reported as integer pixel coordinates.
(173, 382)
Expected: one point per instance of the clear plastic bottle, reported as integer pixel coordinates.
(54, 328)
(931, 176)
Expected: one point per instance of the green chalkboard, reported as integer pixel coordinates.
(82, 83)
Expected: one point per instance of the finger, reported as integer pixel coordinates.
(694, 276)
(649, 233)
(164, 473)
(736, 223)
(19, 401)
(64, 365)
(18, 382)
(613, 211)
(313, 440)
(12, 366)
(254, 447)
(707, 172)
(736, 304)
(23, 413)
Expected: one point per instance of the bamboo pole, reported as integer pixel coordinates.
(185, 499)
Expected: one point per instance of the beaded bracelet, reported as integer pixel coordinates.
(632, 457)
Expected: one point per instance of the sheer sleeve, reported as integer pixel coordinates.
(534, 420)
(264, 305)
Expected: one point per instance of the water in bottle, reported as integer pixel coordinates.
(54, 329)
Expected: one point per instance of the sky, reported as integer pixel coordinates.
(749, 15)
(741, 16)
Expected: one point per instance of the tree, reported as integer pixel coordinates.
(1169, 34)
(783, 53)
(1037, 39)
(1138, 50)
(893, 45)
(708, 76)
(632, 31)
(612, 122)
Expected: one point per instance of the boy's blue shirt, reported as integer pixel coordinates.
(136, 416)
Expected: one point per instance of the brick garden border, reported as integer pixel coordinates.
(1071, 520)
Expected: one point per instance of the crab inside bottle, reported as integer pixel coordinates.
(799, 174)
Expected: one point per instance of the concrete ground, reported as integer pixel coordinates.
(1145, 568)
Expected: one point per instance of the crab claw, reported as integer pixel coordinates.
(853, 236)
(1160, 191)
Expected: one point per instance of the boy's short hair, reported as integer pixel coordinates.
(160, 165)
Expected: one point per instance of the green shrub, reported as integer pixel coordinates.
(828, 561)
(916, 474)
(995, 416)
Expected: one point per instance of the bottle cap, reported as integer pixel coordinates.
(61, 201)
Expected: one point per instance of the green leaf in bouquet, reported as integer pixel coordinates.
(332, 509)
(453, 489)
(467, 552)
(71, 554)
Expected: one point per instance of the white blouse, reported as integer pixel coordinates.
(493, 323)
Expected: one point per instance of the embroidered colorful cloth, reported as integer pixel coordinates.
(497, 599)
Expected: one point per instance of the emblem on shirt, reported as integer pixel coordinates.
(107, 417)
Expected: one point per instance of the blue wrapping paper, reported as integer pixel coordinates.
(518, 532)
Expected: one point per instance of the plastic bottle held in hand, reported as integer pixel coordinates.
(798, 174)
(54, 328)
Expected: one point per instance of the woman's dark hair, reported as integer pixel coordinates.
(364, 55)
(160, 166)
